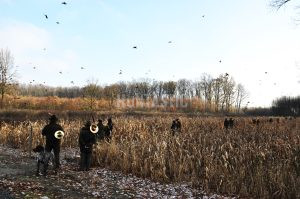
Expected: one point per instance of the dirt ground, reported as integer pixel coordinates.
(18, 180)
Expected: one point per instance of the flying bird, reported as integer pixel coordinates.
(46, 16)
(57, 22)
(120, 73)
(266, 72)
(60, 72)
(170, 42)
(203, 16)
(81, 68)
(135, 47)
(220, 61)
(64, 3)
(226, 74)
(72, 82)
(34, 67)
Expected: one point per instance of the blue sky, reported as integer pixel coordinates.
(248, 36)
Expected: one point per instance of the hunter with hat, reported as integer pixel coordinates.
(52, 142)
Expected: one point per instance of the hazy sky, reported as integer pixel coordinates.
(248, 36)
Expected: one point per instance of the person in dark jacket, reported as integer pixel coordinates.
(231, 123)
(108, 129)
(226, 123)
(110, 124)
(100, 133)
(52, 143)
(176, 126)
(86, 141)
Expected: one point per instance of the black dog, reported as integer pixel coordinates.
(44, 158)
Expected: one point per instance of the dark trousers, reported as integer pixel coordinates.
(56, 150)
(85, 161)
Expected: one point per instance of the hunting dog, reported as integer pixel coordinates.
(43, 158)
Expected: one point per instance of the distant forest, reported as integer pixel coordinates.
(283, 106)
(207, 94)
(218, 94)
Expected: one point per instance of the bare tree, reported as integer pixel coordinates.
(198, 89)
(206, 86)
(279, 3)
(111, 93)
(228, 93)
(183, 86)
(91, 92)
(217, 91)
(7, 74)
(241, 95)
(169, 88)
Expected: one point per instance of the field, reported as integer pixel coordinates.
(249, 160)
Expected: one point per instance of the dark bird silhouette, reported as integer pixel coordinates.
(203, 16)
(72, 82)
(266, 72)
(81, 68)
(220, 61)
(170, 42)
(64, 3)
(120, 73)
(226, 74)
(34, 67)
(57, 22)
(44, 48)
(46, 16)
(135, 47)
(60, 72)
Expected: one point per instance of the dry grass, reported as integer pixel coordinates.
(82, 104)
(250, 161)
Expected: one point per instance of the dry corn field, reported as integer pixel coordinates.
(249, 160)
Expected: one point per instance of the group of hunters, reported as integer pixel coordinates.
(87, 138)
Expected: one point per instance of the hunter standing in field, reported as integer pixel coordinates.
(231, 123)
(226, 123)
(108, 129)
(86, 141)
(100, 133)
(176, 126)
(52, 143)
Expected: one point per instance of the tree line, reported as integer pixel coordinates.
(221, 93)
(286, 106)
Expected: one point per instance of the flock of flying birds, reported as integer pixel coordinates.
(120, 72)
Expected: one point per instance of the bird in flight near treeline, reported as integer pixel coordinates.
(65, 3)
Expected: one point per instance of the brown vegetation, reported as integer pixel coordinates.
(249, 160)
